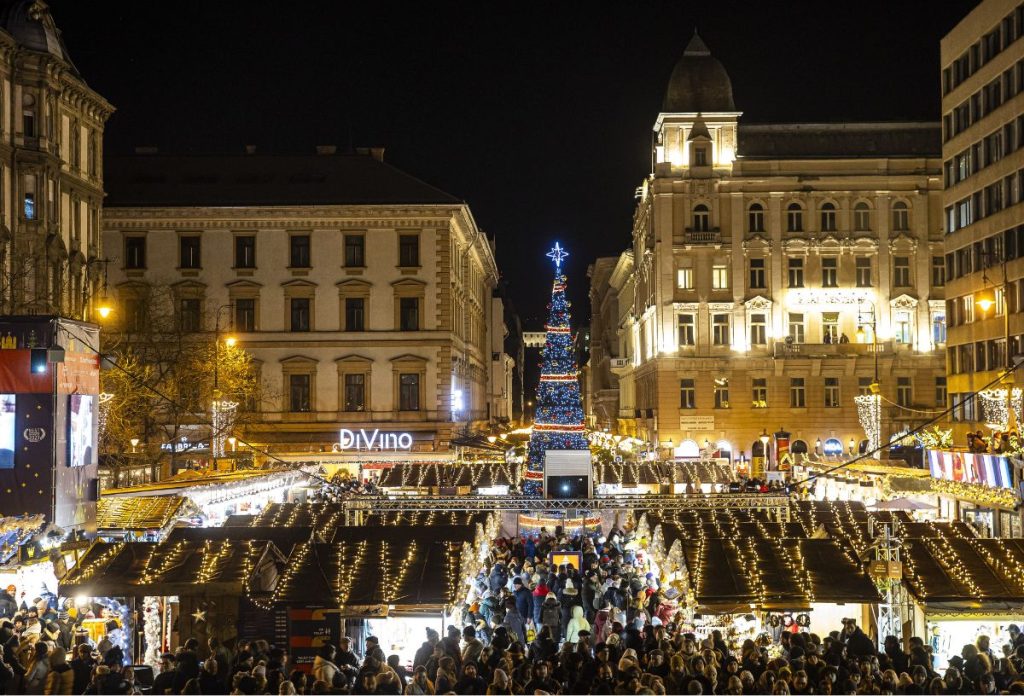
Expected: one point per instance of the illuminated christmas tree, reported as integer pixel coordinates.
(558, 423)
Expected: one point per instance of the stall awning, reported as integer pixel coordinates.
(141, 514)
(951, 571)
(326, 517)
(463, 474)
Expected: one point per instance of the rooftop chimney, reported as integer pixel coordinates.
(146, 149)
(250, 149)
(326, 149)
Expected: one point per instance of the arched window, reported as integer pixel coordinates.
(688, 448)
(828, 217)
(755, 218)
(701, 218)
(794, 218)
(861, 217)
(28, 116)
(900, 217)
(832, 447)
(798, 447)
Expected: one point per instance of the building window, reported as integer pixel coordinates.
(135, 315)
(831, 392)
(755, 218)
(864, 386)
(938, 271)
(939, 328)
(828, 217)
(796, 273)
(904, 391)
(901, 271)
(299, 394)
(830, 327)
(355, 314)
(794, 218)
(686, 333)
(796, 327)
(190, 252)
(861, 217)
(409, 314)
(797, 395)
(758, 330)
(245, 314)
(245, 251)
(684, 278)
(687, 394)
(900, 217)
(355, 392)
(134, 252)
(863, 272)
(940, 391)
(722, 392)
(300, 313)
(719, 277)
(760, 392)
(30, 206)
(701, 218)
(408, 250)
(409, 392)
(190, 312)
(720, 329)
(700, 156)
(757, 276)
(355, 248)
(299, 257)
(830, 272)
(902, 323)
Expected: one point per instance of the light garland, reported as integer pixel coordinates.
(993, 406)
(222, 417)
(152, 632)
(869, 413)
(976, 493)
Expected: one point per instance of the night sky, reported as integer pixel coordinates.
(538, 115)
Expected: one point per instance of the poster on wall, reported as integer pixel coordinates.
(7, 430)
(81, 431)
(966, 467)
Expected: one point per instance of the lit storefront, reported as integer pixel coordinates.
(980, 489)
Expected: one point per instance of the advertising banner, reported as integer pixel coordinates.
(989, 470)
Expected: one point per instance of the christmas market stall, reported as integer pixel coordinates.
(150, 597)
(326, 517)
(142, 519)
(633, 477)
(981, 489)
(965, 587)
(461, 478)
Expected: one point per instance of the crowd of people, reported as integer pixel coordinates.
(530, 626)
(998, 443)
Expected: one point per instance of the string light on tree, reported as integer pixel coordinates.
(559, 423)
(869, 413)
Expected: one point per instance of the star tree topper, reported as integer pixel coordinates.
(556, 255)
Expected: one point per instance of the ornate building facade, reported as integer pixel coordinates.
(776, 273)
(983, 156)
(365, 296)
(51, 170)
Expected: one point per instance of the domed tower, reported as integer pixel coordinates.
(695, 133)
(51, 170)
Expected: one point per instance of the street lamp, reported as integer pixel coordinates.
(135, 443)
(231, 441)
(851, 445)
(230, 341)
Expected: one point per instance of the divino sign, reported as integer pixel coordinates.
(376, 440)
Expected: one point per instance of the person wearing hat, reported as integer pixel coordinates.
(427, 648)
(472, 646)
(540, 593)
(569, 598)
(8, 603)
(551, 614)
(523, 598)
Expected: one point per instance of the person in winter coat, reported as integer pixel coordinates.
(427, 649)
(577, 623)
(37, 669)
(497, 579)
(569, 597)
(857, 643)
(324, 668)
(540, 593)
(61, 678)
(592, 595)
(524, 600)
(602, 625)
(514, 622)
(551, 614)
(8, 605)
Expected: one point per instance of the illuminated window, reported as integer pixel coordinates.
(720, 329)
(830, 327)
(719, 277)
(796, 327)
(760, 392)
(939, 327)
(901, 271)
(755, 218)
(796, 273)
(797, 394)
(831, 392)
(687, 394)
(30, 206)
(863, 272)
(758, 330)
(794, 218)
(861, 217)
(757, 275)
(903, 327)
(828, 217)
(684, 278)
(701, 218)
(829, 272)
(686, 333)
(900, 217)
(722, 392)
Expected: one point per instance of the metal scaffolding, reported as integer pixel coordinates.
(775, 506)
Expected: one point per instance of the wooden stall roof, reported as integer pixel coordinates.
(173, 568)
(17, 530)
(697, 473)
(141, 514)
(284, 538)
(964, 572)
(444, 474)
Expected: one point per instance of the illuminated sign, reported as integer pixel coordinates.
(965, 467)
(374, 440)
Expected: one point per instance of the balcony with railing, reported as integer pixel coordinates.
(712, 235)
(781, 349)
